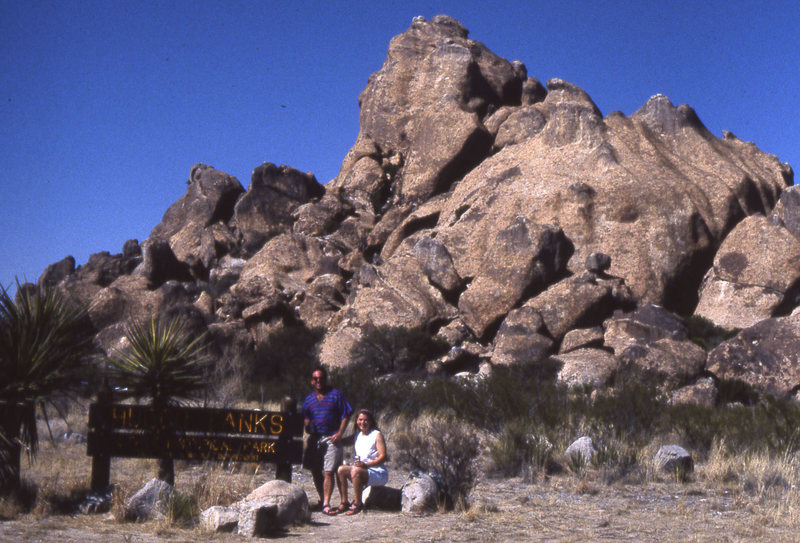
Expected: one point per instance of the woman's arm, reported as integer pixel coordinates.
(380, 444)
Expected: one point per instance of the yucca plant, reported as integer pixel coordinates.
(165, 362)
(44, 341)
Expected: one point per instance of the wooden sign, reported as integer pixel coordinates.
(192, 433)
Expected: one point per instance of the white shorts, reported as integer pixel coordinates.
(378, 476)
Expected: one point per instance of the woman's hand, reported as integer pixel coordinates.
(360, 464)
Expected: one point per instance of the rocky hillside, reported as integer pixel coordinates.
(505, 218)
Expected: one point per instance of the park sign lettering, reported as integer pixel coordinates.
(192, 433)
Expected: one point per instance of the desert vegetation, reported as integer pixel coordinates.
(478, 433)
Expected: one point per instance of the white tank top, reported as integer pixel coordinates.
(366, 449)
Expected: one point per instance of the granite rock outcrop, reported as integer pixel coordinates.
(507, 218)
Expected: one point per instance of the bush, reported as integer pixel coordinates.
(388, 349)
(706, 334)
(445, 447)
(282, 365)
(521, 449)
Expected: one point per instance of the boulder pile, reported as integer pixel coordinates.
(507, 219)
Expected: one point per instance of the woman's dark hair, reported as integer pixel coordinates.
(370, 418)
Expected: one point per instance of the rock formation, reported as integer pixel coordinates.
(508, 219)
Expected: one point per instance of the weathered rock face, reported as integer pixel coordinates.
(593, 368)
(424, 108)
(505, 218)
(274, 193)
(766, 356)
(195, 227)
(658, 219)
(756, 271)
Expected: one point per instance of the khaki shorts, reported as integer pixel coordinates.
(334, 453)
(324, 456)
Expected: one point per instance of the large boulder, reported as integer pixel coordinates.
(582, 451)
(764, 356)
(196, 226)
(150, 501)
(266, 209)
(787, 211)
(756, 273)
(424, 108)
(673, 460)
(592, 368)
(290, 502)
(56, 272)
(520, 258)
(668, 362)
(644, 325)
(282, 270)
(521, 338)
(602, 182)
(265, 511)
(577, 302)
(160, 264)
(582, 337)
(419, 494)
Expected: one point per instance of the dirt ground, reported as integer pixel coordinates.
(564, 507)
(560, 508)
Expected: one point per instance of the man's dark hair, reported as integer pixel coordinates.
(322, 370)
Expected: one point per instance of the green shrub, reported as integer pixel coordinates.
(706, 334)
(388, 349)
(446, 447)
(520, 449)
(182, 509)
(282, 365)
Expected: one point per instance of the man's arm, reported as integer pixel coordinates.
(342, 425)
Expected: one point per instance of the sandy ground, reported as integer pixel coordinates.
(561, 508)
(564, 507)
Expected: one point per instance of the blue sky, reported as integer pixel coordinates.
(105, 106)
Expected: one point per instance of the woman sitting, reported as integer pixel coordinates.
(368, 467)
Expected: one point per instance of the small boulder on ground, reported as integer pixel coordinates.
(420, 493)
(266, 510)
(673, 459)
(150, 501)
(383, 498)
(582, 449)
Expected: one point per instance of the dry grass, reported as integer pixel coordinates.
(731, 497)
(766, 476)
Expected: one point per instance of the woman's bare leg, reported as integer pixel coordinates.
(360, 477)
(343, 474)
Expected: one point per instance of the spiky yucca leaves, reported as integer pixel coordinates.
(44, 341)
(164, 362)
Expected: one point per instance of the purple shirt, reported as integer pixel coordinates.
(326, 415)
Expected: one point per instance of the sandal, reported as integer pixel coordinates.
(355, 509)
(344, 506)
(326, 510)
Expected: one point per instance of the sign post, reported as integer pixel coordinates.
(193, 433)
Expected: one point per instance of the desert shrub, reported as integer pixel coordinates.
(56, 499)
(770, 424)
(282, 365)
(705, 333)
(759, 473)
(446, 447)
(390, 349)
(220, 484)
(182, 509)
(618, 461)
(513, 403)
(19, 501)
(520, 449)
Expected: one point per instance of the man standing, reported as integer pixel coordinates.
(326, 412)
